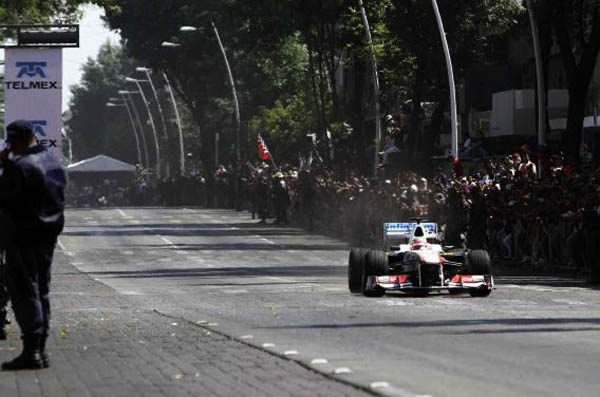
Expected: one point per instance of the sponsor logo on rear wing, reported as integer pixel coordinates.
(406, 228)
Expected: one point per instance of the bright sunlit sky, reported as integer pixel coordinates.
(93, 34)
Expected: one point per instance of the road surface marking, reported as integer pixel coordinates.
(201, 322)
(569, 302)
(342, 370)
(268, 345)
(61, 245)
(236, 291)
(318, 361)
(379, 385)
(395, 302)
(290, 353)
(529, 287)
(212, 324)
(166, 240)
(450, 302)
(121, 212)
(246, 337)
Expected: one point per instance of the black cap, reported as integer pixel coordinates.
(21, 130)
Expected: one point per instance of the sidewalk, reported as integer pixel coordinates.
(102, 345)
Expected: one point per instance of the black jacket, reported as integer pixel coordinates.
(32, 195)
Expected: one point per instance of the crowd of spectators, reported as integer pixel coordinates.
(497, 203)
(141, 191)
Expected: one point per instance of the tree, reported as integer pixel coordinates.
(39, 11)
(576, 25)
(471, 27)
(94, 128)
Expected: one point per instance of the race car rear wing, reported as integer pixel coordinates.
(395, 233)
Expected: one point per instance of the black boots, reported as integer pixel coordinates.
(43, 354)
(30, 358)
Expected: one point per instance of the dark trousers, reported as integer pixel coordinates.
(28, 281)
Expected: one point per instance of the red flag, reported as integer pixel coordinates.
(263, 151)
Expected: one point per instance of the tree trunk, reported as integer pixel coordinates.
(575, 117)
(579, 69)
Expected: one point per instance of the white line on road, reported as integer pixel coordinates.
(318, 361)
(268, 345)
(121, 212)
(379, 385)
(166, 240)
(246, 337)
(342, 370)
(569, 302)
(394, 302)
(268, 241)
(236, 291)
(529, 287)
(290, 353)
(61, 245)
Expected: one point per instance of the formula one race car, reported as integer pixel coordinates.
(413, 260)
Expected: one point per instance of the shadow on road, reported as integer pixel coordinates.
(245, 247)
(224, 272)
(545, 281)
(510, 325)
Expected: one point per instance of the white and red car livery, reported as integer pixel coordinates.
(413, 260)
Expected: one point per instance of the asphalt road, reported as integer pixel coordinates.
(286, 291)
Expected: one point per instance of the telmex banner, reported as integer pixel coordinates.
(33, 92)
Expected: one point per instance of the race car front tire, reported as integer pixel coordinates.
(481, 292)
(479, 262)
(377, 264)
(357, 262)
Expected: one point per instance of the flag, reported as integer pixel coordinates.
(263, 150)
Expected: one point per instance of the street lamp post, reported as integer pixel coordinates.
(453, 110)
(158, 105)
(541, 86)
(238, 127)
(137, 139)
(152, 125)
(69, 141)
(179, 127)
(127, 97)
(376, 86)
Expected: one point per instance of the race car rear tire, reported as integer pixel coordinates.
(479, 263)
(356, 270)
(377, 264)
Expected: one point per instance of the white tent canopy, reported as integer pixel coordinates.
(101, 163)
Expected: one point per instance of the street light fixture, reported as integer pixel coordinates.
(453, 110)
(110, 104)
(147, 71)
(238, 126)
(152, 125)
(128, 99)
(376, 86)
(179, 127)
(169, 44)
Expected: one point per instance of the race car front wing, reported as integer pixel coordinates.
(404, 282)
